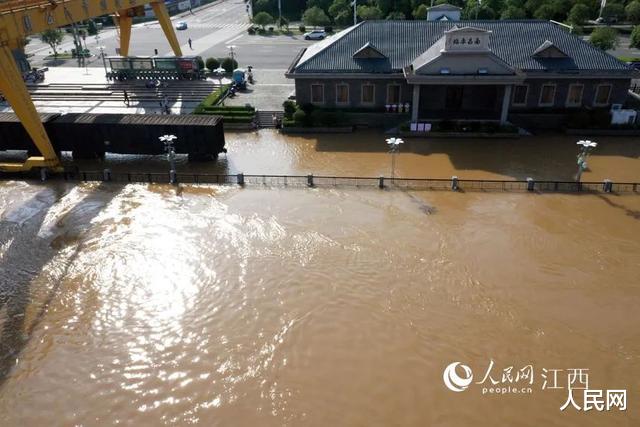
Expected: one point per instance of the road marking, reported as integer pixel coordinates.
(235, 38)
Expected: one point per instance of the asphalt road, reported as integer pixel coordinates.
(211, 28)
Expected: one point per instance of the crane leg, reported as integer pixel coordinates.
(160, 10)
(124, 23)
(15, 91)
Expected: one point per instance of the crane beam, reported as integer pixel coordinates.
(21, 18)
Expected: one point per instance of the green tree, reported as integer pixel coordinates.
(212, 64)
(283, 23)
(396, 15)
(322, 4)
(420, 12)
(268, 6)
(633, 11)
(341, 12)
(262, 19)
(53, 38)
(613, 12)
(579, 14)
(513, 12)
(546, 12)
(229, 64)
(315, 17)
(92, 28)
(604, 38)
(635, 37)
(367, 13)
(481, 11)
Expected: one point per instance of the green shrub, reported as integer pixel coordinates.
(491, 127)
(307, 108)
(251, 31)
(200, 62)
(446, 125)
(579, 120)
(324, 118)
(600, 118)
(212, 63)
(302, 29)
(92, 28)
(271, 29)
(212, 99)
(229, 64)
(237, 119)
(328, 29)
(289, 108)
(300, 117)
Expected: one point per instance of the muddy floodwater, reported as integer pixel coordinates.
(148, 305)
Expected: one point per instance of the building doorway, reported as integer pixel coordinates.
(453, 98)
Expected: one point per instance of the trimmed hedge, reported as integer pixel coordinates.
(212, 99)
(236, 119)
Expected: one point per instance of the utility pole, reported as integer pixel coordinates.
(77, 44)
(355, 12)
(603, 4)
(279, 13)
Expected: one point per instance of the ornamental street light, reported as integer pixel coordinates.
(394, 148)
(232, 53)
(167, 140)
(586, 147)
(104, 61)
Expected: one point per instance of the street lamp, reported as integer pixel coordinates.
(586, 148)
(167, 140)
(394, 145)
(104, 61)
(232, 53)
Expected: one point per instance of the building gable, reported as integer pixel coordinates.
(549, 50)
(368, 51)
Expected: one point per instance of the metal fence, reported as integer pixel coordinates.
(324, 181)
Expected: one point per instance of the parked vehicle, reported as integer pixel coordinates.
(239, 78)
(155, 68)
(635, 65)
(315, 35)
(34, 75)
(181, 25)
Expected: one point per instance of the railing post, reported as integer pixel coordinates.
(381, 182)
(607, 186)
(241, 179)
(106, 175)
(173, 177)
(530, 184)
(454, 183)
(310, 180)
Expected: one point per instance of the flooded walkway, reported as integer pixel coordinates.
(148, 305)
(364, 153)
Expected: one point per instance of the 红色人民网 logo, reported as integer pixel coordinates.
(455, 382)
(581, 396)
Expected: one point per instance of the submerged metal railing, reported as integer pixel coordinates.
(323, 181)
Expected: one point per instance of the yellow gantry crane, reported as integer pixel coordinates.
(21, 18)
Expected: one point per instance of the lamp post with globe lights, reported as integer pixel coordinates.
(394, 149)
(167, 140)
(586, 147)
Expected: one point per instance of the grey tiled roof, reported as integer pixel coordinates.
(402, 41)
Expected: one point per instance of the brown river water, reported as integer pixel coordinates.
(148, 305)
